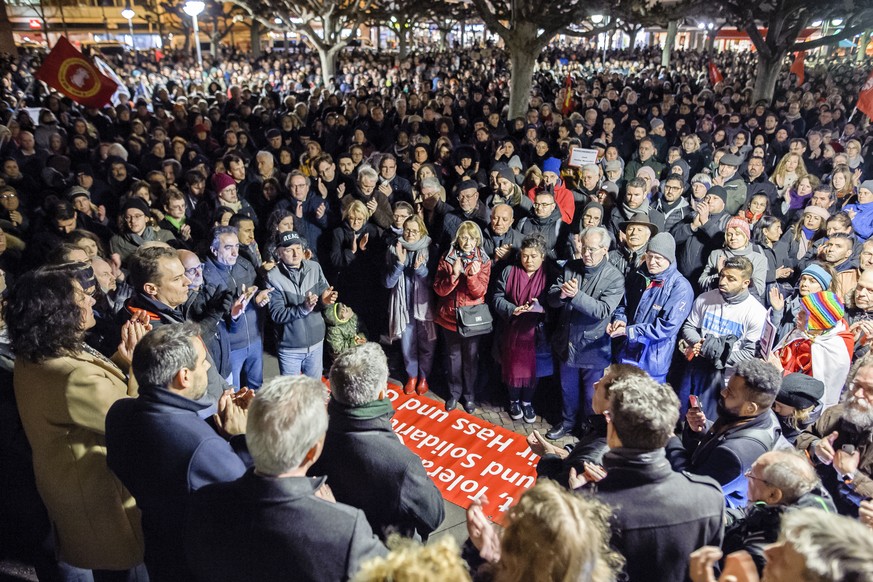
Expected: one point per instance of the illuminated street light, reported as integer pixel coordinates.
(193, 8)
(128, 13)
(597, 18)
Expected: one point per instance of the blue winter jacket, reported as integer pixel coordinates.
(652, 330)
(246, 329)
(862, 223)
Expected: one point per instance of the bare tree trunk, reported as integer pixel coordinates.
(255, 35)
(863, 41)
(523, 60)
(765, 77)
(7, 41)
(444, 39)
(402, 41)
(710, 41)
(669, 42)
(327, 57)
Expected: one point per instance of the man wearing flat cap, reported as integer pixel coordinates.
(729, 177)
(630, 250)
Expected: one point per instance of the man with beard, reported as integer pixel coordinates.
(721, 331)
(745, 428)
(546, 221)
(840, 443)
(671, 203)
(636, 201)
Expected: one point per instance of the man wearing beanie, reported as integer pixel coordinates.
(721, 331)
(553, 184)
(798, 403)
(820, 346)
(701, 233)
(656, 303)
(135, 231)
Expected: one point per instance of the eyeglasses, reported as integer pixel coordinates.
(748, 475)
(194, 270)
(543, 204)
(411, 232)
(8, 195)
(590, 250)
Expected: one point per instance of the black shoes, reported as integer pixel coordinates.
(557, 431)
(451, 404)
(528, 413)
(470, 406)
(515, 412)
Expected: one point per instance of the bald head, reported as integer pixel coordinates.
(193, 268)
(785, 476)
(501, 219)
(104, 275)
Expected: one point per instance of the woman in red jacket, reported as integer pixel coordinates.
(461, 279)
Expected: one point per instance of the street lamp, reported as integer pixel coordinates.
(193, 8)
(128, 13)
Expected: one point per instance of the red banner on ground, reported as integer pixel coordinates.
(465, 456)
(68, 71)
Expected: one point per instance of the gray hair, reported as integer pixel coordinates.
(367, 172)
(295, 174)
(835, 548)
(161, 353)
(359, 374)
(790, 472)
(596, 230)
(220, 231)
(285, 421)
(432, 184)
(266, 155)
(591, 168)
(644, 412)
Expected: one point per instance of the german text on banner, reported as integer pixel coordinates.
(465, 456)
(68, 71)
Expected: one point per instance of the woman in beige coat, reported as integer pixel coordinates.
(64, 389)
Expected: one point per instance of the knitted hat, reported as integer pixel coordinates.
(867, 185)
(505, 173)
(819, 274)
(741, 224)
(647, 172)
(664, 245)
(137, 203)
(824, 308)
(817, 211)
(221, 181)
(800, 391)
(552, 165)
(718, 191)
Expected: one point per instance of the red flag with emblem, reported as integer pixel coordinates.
(567, 108)
(797, 67)
(865, 98)
(67, 70)
(715, 75)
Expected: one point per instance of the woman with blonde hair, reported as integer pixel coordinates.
(461, 280)
(788, 171)
(551, 535)
(843, 184)
(408, 278)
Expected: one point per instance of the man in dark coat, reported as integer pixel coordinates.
(587, 293)
(701, 233)
(362, 455)
(745, 429)
(659, 516)
(161, 291)
(275, 523)
(162, 449)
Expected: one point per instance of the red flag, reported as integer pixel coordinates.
(865, 98)
(567, 108)
(714, 74)
(68, 71)
(797, 67)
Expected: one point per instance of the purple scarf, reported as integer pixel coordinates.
(519, 340)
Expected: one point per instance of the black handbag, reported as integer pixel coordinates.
(474, 320)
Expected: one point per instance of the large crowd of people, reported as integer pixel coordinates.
(701, 290)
